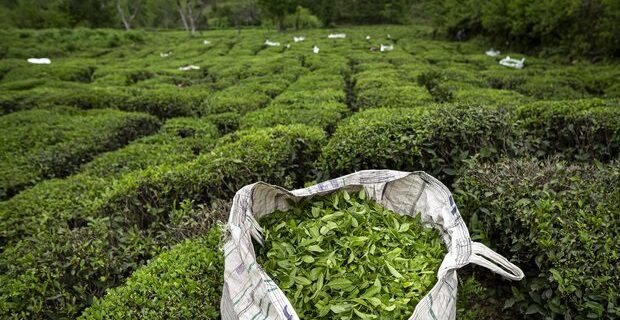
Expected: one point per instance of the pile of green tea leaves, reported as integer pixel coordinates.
(345, 257)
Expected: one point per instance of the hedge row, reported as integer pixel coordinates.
(75, 71)
(579, 130)
(58, 200)
(46, 231)
(560, 223)
(48, 143)
(383, 87)
(185, 282)
(281, 155)
(435, 139)
(84, 240)
(315, 99)
(165, 102)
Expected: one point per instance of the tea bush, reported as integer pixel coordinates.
(47, 231)
(325, 115)
(435, 139)
(576, 130)
(281, 155)
(559, 222)
(185, 282)
(393, 97)
(47, 143)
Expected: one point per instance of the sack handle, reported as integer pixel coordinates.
(485, 257)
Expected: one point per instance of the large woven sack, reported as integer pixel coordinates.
(249, 292)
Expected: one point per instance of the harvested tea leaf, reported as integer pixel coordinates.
(345, 257)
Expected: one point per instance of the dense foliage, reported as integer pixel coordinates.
(345, 257)
(185, 282)
(576, 27)
(560, 223)
(432, 138)
(47, 143)
(150, 153)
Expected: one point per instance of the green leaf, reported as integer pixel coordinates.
(315, 248)
(339, 283)
(364, 315)
(393, 271)
(340, 308)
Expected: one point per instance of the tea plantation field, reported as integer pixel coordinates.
(115, 165)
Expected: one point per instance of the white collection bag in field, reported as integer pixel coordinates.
(249, 293)
(513, 63)
(39, 60)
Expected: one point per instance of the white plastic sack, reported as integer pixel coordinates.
(189, 67)
(337, 36)
(513, 63)
(492, 52)
(39, 60)
(386, 48)
(299, 39)
(249, 292)
(315, 49)
(270, 43)
(165, 54)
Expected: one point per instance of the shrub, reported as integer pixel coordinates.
(490, 97)
(432, 81)
(282, 155)
(580, 130)
(165, 102)
(238, 99)
(311, 96)
(101, 238)
(550, 88)
(559, 223)
(325, 115)
(48, 201)
(46, 143)
(185, 282)
(58, 252)
(435, 139)
(56, 71)
(225, 122)
(403, 96)
(179, 140)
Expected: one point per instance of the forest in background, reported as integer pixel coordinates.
(574, 28)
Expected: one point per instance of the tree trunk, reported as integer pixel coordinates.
(183, 18)
(190, 16)
(122, 15)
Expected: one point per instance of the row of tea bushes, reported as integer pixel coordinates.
(46, 143)
(57, 253)
(315, 99)
(577, 130)
(281, 155)
(185, 282)
(164, 102)
(438, 138)
(560, 223)
(55, 201)
(435, 138)
(100, 229)
(380, 85)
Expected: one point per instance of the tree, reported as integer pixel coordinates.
(131, 7)
(278, 9)
(190, 11)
